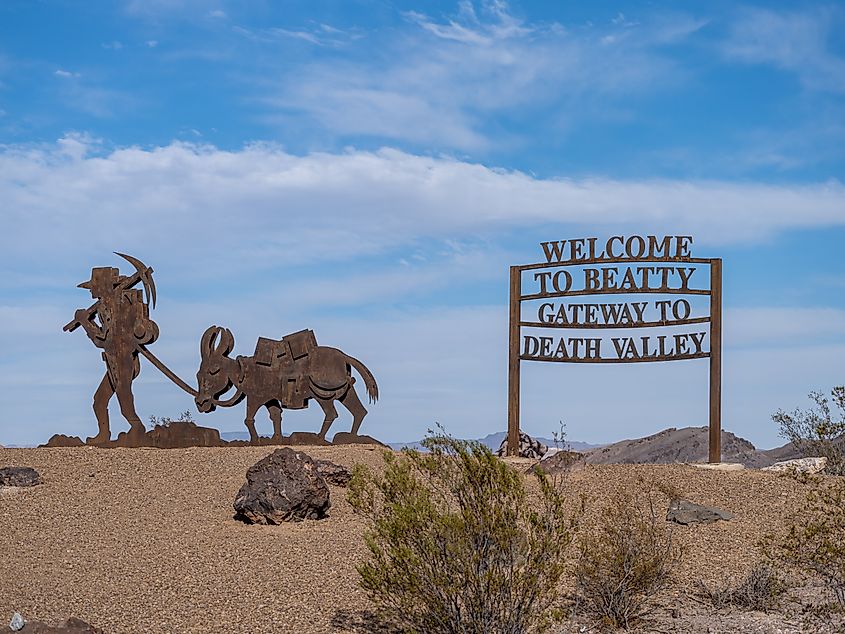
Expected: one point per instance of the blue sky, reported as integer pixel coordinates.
(370, 169)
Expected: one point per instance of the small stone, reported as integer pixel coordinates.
(19, 477)
(17, 623)
(332, 473)
(800, 465)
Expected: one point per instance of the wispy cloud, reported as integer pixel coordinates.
(323, 35)
(797, 41)
(442, 80)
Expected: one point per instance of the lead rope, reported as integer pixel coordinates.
(178, 381)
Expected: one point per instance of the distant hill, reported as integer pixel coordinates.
(494, 441)
(688, 444)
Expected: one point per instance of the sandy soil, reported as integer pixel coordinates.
(143, 540)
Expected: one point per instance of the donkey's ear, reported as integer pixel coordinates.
(227, 342)
(207, 341)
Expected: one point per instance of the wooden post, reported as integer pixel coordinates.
(716, 360)
(513, 360)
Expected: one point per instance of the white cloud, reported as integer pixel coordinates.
(151, 43)
(796, 41)
(322, 207)
(65, 73)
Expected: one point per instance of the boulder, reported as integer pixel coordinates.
(332, 473)
(686, 512)
(285, 486)
(559, 461)
(800, 465)
(19, 477)
(528, 447)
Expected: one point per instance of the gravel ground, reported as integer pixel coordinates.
(143, 540)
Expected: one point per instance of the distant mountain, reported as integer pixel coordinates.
(689, 444)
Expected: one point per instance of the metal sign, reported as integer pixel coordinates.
(620, 265)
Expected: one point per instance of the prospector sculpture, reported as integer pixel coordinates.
(284, 373)
(119, 323)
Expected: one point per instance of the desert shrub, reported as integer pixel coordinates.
(624, 561)
(759, 590)
(456, 543)
(816, 432)
(815, 540)
(166, 421)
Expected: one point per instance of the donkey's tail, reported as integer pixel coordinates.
(369, 379)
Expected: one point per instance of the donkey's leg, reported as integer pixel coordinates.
(252, 406)
(275, 410)
(331, 414)
(351, 402)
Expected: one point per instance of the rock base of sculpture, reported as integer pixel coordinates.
(346, 438)
(180, 435)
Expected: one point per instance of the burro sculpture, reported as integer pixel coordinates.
(282, 374)
(118, 323)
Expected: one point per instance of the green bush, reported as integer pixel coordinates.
(815, 432)
(815, 540)
(624, 561)
(456, 543)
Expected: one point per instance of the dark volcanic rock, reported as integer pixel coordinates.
(71, 626)
(19, 477)
(686, 512)
(60, 440)
(528, 447)
(332, 473)
(286, 486)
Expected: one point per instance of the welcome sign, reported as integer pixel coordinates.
(547, 296)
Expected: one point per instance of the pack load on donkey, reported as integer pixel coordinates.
(289, 361)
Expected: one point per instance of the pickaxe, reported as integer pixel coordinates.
(143, 273)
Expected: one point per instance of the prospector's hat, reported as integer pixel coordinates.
(102, 278)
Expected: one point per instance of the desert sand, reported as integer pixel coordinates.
(144, 540)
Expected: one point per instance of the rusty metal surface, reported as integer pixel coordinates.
(635, 250)
(281, 374)
(118, 322)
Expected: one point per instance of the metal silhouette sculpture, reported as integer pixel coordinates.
(118, 323)
(282, 374)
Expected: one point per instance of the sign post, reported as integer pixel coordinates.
(585, 267)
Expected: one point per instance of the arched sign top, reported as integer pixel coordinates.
(619, 265)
